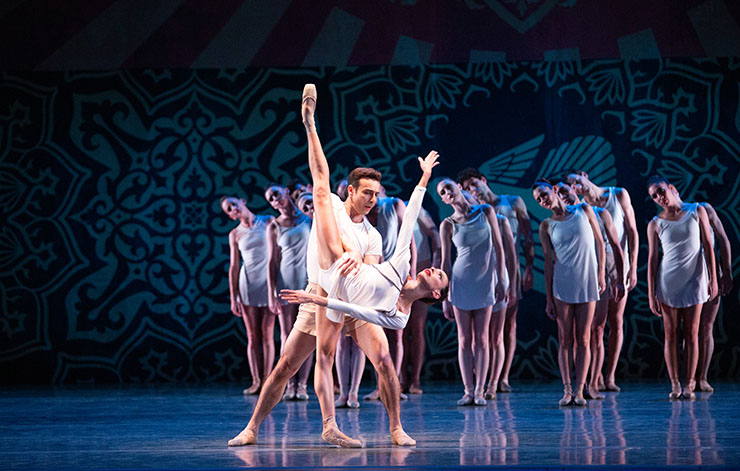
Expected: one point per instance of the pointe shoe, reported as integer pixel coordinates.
(301, 394)
(479, 400)
(466, 400)
(675, 390)
(504, 387)
(578, 399)
(353, 403)
(704, 386)
(289, 392)
(567, 398)
(308, 105)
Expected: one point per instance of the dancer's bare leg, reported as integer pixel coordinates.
(254, 348)
(357, 363)
(496, 336)
(597, 346)
(414, 344)
(371, 339)
(615, 341)
(342, 362)
(330, 249)
(691, 318)
(564, 318)
(464, 322)
(395, 345)
(670, 348)
(509, 345)
(298, 347)
(267, 328)
(481, 352)
(706, 342)
(583, 316)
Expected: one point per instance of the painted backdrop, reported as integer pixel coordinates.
(113, 248)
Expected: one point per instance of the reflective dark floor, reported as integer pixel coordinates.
(187, 427)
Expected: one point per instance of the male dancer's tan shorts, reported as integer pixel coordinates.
(306, 320)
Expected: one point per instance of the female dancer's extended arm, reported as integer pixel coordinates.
(237, 308)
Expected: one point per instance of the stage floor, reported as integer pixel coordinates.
(187, 427)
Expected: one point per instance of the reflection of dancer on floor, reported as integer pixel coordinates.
(478, 281)
(574, 278)
(682, 282)
(615, 289)
(711, 308)
(248, 286)
(617, 201)
(377, 286)
(513, 207)
(287, 240)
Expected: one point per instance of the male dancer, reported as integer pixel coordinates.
(514, 209)
(617, 201)
(363, 188)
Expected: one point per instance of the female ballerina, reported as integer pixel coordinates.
(615, 287)
(248, 286)
(287, 240)
(378, 286)
(682, 281)
(477, 283)
(574, 278)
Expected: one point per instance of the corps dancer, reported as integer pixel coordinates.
(574, 278)
(515, 210)
(376, 286)
(682, 282)
(711, 308)
(617, 201)
(287, 238)
(615, 288)
(477, 283)
(248, 286)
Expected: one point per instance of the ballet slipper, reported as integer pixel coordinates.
(253, 389)
(491, 391)
(578, 399)
(301, 394)
(400, 438)
(332, 434)
(479, 400)
(415, 389)
(688, 391)
(289, 392)
(504, 387)
(675, 390)
(593, 393)
(353, 403)
(567, 398)
(245, 437)
(705, 386)
(373, 396)
(308, 106)
(466, 400)
(340, 402)
(404, 397)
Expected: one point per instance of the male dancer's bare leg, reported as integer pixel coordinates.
(372, 340)
(298, 347)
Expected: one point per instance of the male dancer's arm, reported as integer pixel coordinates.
(633, 239)
(525, 230)
(725, 251)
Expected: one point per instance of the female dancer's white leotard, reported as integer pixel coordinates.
(575, 277)
(682, 273)
(617, 213)
(473, 275)
(293, 242)
(372, 293)
(252, 243)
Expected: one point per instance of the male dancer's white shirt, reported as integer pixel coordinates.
(360, 235)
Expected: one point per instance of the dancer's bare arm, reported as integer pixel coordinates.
(600, 248)
(273, 266)
(237, 308)
(549, 255)
(652, 273)
(633, 239)
(445, 236)
(708, 251)
(525, 230)
(725, 251)
(618, 288)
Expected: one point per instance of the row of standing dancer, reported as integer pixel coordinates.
(485, 278)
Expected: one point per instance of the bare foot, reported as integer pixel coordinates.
(341, 401)
(415, 389)
(308, 106)
(245, 437)
(400, 438)
(610, 385)
(504, 387)
(252, 390)
(705, 386)
(333, 435)
(373, 396)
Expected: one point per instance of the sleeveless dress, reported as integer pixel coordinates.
(388, 225)
(682, 273)
(617, 213)
(473, 276)
(505, 207)
(575, 277)
(253, 274)
(293, 242)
